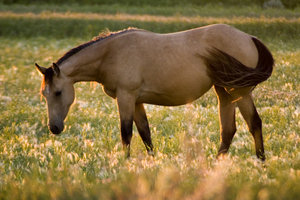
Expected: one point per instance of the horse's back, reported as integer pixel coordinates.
(221, 36)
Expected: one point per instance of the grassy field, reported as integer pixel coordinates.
(87, 162)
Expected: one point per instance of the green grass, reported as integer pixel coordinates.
(87, 162)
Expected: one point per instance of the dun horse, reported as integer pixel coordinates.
(137, 66)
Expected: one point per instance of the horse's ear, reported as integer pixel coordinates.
(55, 69)
(42, 70)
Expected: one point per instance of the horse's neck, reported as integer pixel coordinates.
(85, 65)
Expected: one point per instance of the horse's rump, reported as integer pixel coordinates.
(226, 71)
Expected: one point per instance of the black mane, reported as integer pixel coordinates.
(101, 37)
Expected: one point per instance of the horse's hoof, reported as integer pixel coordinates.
(151, 153)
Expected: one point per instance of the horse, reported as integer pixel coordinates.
(138, 67)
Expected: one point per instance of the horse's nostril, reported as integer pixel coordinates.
(54, 129)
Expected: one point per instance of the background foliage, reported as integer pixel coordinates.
(287, 3)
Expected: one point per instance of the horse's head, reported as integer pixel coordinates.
(58, 91)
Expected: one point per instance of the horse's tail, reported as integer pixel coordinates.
(226, 71)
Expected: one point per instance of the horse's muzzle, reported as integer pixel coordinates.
(56, 129)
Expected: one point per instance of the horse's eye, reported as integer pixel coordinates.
(58, 93)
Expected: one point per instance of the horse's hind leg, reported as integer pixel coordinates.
(227, 119)
(254, 123)
(142, 125)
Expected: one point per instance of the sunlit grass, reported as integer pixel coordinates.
(87, 162)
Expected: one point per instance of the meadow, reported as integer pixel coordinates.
(87, 161)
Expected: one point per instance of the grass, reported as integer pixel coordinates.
(87, 162)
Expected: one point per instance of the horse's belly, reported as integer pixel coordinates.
(164, 99)
(180, 95)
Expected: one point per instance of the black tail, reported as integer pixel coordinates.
(226, 71)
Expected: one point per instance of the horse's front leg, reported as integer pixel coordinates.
(142, 125)
(126, 105)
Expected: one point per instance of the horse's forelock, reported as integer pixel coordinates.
(48, 76)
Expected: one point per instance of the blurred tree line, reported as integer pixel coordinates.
(285, 3)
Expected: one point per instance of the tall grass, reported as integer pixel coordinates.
(87, 162)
